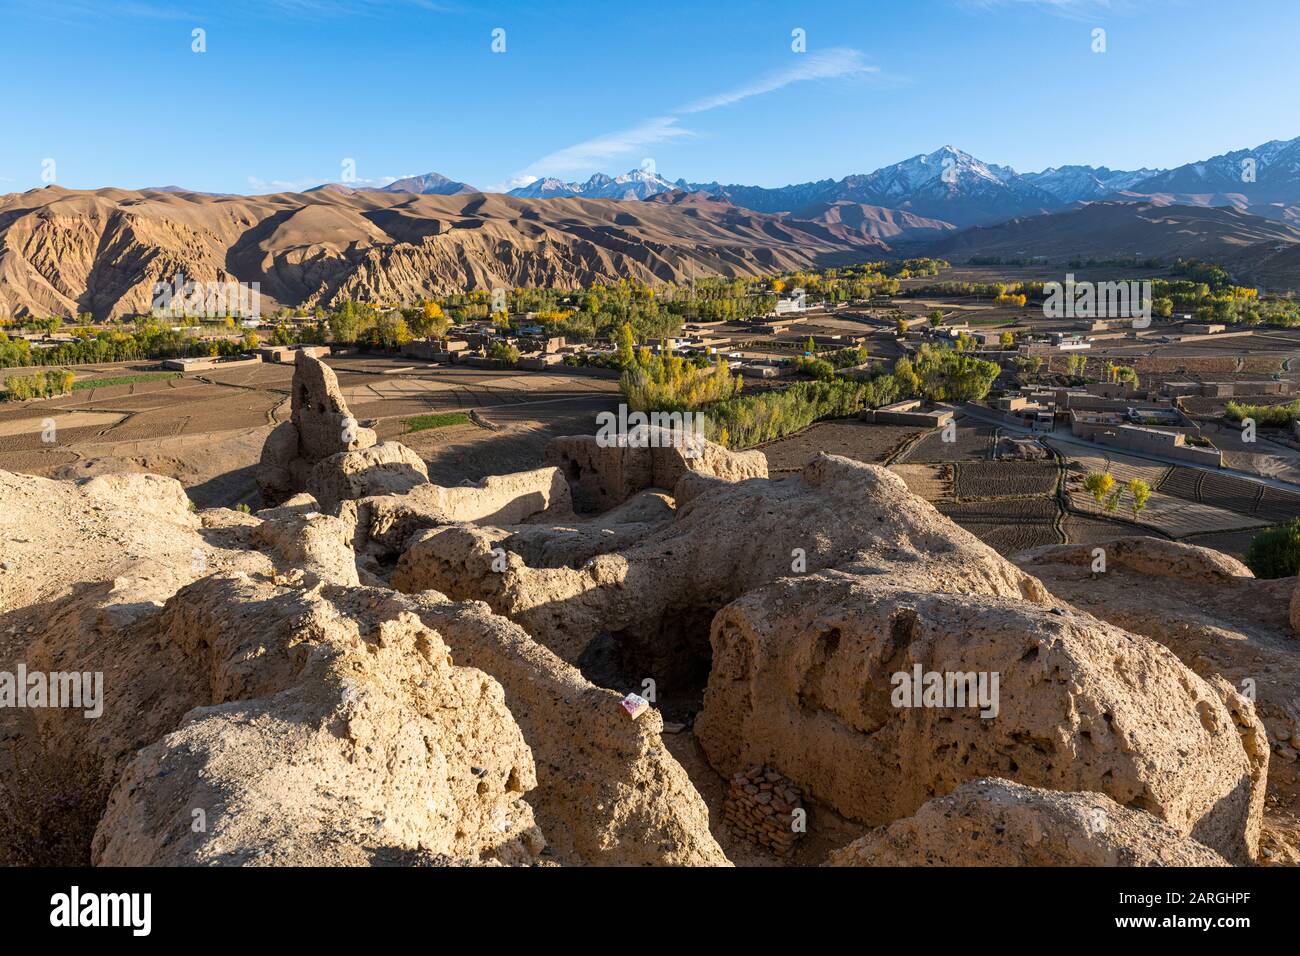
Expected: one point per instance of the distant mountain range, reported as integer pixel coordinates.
(955, 187)
(1119, 230)
(635, 184)
(948, 186)
(66, 252)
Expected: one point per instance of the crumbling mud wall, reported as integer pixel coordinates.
(320, 426)
(604, 474)
(322, 734)
(995, 822)
(437, 675)
(806, 677)
(658, 596)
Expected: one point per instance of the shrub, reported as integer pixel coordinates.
(504, 354)
(819, 369)
(1277, 416)
(46, 385)
(671, 383)
(764, 416)
(1275, 552)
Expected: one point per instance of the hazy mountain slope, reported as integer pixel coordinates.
(847, 218)
(1104, 230)
(947, 184)
(66, 252)
(430, 184)
(1086, 183)
(634, 184)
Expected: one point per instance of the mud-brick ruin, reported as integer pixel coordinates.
(376, 670)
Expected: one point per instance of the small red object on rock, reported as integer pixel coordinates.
(635, 705)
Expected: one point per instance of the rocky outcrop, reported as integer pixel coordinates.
(389, 468)
(317, 545)
(268, 698)
(322, 733)
(822, 678)
(389, 522)
(993, 822)
(604, 474)
(1204, 606)
(608, 791)
(656, 598)
(320, 427)
(273, 712)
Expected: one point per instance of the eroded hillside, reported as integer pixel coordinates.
(68, 252)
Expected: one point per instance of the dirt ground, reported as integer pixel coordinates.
(206, 430)
(851, 438)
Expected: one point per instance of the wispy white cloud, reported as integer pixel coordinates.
(822, 65)
(599, 150)
(591, 154)
(259, 185)
(1074, 9)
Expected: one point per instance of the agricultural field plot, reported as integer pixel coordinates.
(1277, 506)
(1008, 525)
(266, 375)
(1080, 529)
(30, 434)
(1265, 504)
(1005, 479)
(1122, 468)
(1182, 482)
(1172, 515)
(970, 444)
(1208, 364)
(861, 441)
(1002, 511)
(931, 482)
(1229, 492)
(1007, 540)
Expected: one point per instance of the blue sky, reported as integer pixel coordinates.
(288, 89)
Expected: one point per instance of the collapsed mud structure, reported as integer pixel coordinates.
(380, 671)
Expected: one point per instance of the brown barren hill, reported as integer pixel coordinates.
(67, 252)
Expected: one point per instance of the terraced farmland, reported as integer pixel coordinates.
(861, 441)
(1007, 525)
(1005, 479)
(1264, 504)
(969, 444)
(931, 482)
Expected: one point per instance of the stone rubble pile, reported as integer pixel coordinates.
(763, 807)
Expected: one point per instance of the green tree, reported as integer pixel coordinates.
(345, 324)
(391, 330)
